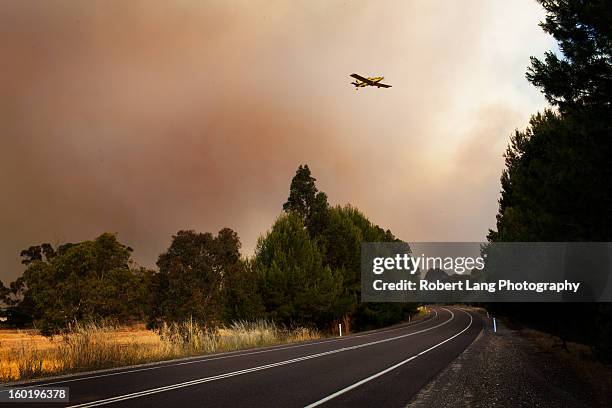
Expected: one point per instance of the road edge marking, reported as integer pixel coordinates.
(389, 369)
(171, 387)
(199, 359)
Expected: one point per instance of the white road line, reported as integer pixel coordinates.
(385, 371)
(220, 357)
(249, 370)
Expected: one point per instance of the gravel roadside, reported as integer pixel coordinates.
(505, 369)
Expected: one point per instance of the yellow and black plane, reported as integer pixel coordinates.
(362, 82)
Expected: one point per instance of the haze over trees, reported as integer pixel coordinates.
(557, 184)
(305, 272)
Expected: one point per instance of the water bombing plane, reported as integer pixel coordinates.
(362, 82)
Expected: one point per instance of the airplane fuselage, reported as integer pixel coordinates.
(372, 81)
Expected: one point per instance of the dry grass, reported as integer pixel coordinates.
(26, 354)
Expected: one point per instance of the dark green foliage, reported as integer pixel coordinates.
(307, 201)
(191, 273)
(373, 315)
(296, 287)
(317, 218)
(241, 296)
(341, 241)
(148, 293)
(83, 282)
(557, 185)
(302, 193)
(582, 77)
(32, 254)
(309, 263)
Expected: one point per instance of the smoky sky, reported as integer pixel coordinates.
(146, 117)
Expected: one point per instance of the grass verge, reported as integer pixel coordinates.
(27, 355)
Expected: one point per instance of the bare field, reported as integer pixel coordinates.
(25, 354)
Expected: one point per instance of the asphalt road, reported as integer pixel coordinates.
(379, 368)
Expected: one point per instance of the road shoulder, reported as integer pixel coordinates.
(504, 369)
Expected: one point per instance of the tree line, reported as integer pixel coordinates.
(556, 186)
(557, 181)
(305, 271)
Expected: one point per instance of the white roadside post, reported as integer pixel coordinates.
(494, 326)
(340, 328)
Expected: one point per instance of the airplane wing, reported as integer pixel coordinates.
(383, 85)
(362, 79)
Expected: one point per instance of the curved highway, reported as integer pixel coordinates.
(378, 368)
